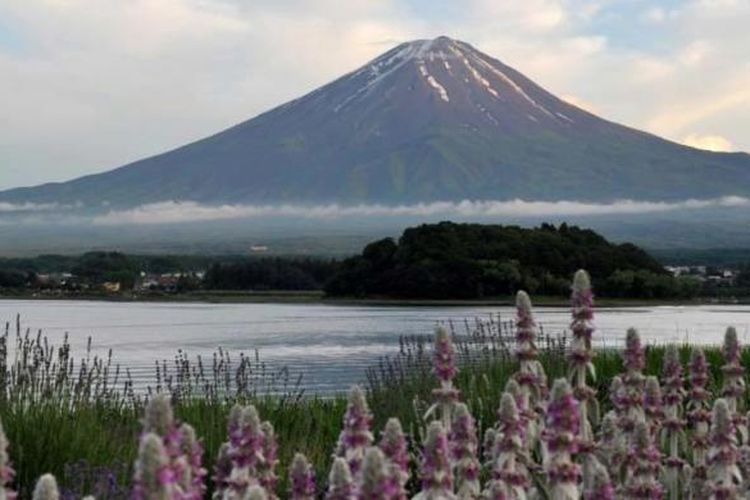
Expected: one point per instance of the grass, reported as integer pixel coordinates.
(79, 418)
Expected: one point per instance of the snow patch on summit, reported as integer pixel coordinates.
(476, 74)
(432, 82)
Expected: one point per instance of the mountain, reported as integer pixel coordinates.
(428, 120)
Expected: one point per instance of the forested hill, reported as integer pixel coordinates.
(449, 260)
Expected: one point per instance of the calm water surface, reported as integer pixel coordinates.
(330, 345)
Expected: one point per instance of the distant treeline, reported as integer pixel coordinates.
(271, 273)
(449, 260)
(218, 273)
(444, 261)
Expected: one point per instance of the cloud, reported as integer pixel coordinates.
(30, 207)
(708, 142)
(188, 211)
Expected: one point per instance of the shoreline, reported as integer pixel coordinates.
(317, 297)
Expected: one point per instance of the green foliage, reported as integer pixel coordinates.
(270, 274)
(448, 261)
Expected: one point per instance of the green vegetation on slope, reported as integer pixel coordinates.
(460, 261)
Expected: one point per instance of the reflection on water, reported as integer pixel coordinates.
(330, 345)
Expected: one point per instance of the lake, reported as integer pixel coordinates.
(330, 345)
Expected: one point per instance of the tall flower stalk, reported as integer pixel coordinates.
(561, 435)
(653, 405)
(268, 461)
(340, 482)
(633, 380)
(723, 472)
(355, 435)
(394, 446)
(464, 445)
(182, 448)
(644, 466)
(673, 424)
(435, 470)
(733, 388)
(580, 357)
(698, 406)
(154, 479)
(510, 478)
(301, 479)
(245, 449)
(376, 483)
(444, 368)
(530, 375)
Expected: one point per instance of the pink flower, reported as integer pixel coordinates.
(355, 436)
(301, 479)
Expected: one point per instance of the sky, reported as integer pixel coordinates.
(89, 85)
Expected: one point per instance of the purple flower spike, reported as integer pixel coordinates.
(340, 483)
(443, 361)
(723, 471)
(301, 479)
(733, 388)
(394, 446)
(634, 357)
(561, 436)
(193, 474)
(153, 476)
(644, 466)
(267, 464)
(355, 436)
(245, 448)
(698, 406)
(601, 488)
(435, 471)
(509, 473)
(653, 404)
(530, 376)
(377, 484)
(444, 367)
(464, 444)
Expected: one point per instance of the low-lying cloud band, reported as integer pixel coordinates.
(190, 211)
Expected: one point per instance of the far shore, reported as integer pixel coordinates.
(318, 297)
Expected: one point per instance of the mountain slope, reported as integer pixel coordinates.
(428, 120)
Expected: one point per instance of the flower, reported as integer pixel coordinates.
(723, 472)
(256, 493)
(301, 479)
(355, 435)
(193, 478)
(245, 448)
(563, 422)
(377, 484)
(435, 470)
(154, 479)
(267, 463)
(644, 466)
(394, 446)
(652, 403)
(601, 488)
(443, 360)
(464, 444)
(509, 474)
(634, 357)
(733, 387)
(46, 488)
(340, 484)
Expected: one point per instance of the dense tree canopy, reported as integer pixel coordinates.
(449, 260)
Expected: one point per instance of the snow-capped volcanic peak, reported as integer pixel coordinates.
(456, 74)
